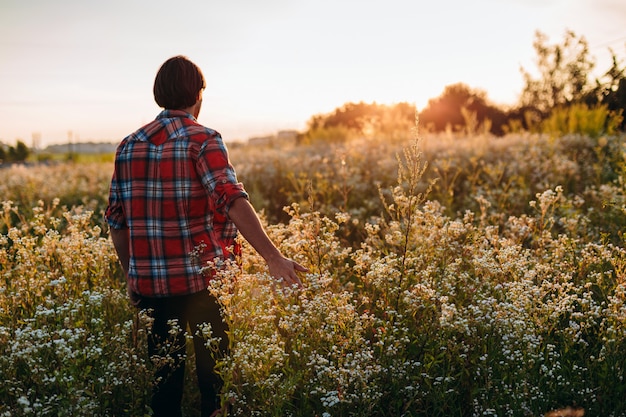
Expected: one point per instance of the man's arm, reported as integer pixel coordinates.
(121, 242)
(245, 218)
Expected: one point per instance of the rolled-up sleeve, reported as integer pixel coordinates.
(226, 193)
(218, 175)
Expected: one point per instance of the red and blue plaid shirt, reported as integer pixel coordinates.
(172, 187)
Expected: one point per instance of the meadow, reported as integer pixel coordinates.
(449, 276)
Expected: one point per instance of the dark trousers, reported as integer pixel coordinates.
(189, 311)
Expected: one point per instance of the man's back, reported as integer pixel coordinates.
(172, 181)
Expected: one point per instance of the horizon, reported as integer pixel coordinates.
(88, 68)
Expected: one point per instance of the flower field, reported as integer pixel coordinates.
(467, 276)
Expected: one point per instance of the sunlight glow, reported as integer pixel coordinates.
(89, 67)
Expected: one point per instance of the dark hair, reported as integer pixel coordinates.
(178, 83)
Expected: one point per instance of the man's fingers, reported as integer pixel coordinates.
(291, 280)
(287, 272)
(299, 267)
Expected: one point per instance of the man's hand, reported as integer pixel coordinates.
(246, 220)
(286, 271)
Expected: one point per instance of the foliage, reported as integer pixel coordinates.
(610, 90)
(69, 345)
(430, 315)
(506, 172)
(562, 80)
(453, 108)
(17, 153)
(452, 275)
(563, 73)
(84, 185)
(557, 91)
(356, 120)
(581, 119)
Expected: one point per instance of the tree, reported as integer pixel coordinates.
(19, 153)
(563, 74)
(353, 116)
(610, 89)
(361, 120)
(460, 106)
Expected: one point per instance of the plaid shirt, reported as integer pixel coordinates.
(172, 187)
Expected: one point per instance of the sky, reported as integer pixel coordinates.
(84, 70)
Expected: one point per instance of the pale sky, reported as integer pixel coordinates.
(88, 66)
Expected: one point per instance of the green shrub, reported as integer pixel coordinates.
(581, 119)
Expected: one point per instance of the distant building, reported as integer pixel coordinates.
(261, 141)
(287, 135)
(280, 138)
(82, 148)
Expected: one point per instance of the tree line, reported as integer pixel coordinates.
(17, 153)
(563, 98)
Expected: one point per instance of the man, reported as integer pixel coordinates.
(174, 205)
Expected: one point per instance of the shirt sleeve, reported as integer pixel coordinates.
(218, 175)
